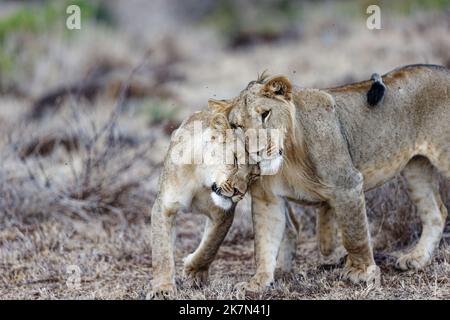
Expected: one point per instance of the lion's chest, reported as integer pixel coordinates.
(292, 190)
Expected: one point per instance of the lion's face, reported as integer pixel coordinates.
(265, 111)
(226, 166)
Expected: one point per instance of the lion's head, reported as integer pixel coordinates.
(206, 152)
(225, 163)
(265, 104)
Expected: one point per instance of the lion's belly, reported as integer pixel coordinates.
(375, 174)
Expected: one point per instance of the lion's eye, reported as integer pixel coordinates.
(265, 115)
(235, 126)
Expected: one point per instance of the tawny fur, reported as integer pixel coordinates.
(335, 148)
(188, 187)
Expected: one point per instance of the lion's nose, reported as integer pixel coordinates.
(240, 188)
(237, 192)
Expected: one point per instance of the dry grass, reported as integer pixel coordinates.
(77, 182)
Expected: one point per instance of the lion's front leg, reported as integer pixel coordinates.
(350, 209)
(268, 223)
(163, 237)
(196, 265)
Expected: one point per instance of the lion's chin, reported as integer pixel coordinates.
(221, 202)
(270, 167)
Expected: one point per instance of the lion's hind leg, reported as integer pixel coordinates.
(327, 230)
(423, 189)
(286, 254)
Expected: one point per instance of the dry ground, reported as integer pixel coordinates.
(80, 155)
(115, 263)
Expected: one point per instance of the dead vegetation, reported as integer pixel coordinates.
(80, 155)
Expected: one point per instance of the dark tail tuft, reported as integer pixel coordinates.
(376, 92)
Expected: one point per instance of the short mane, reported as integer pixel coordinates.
(261, 79)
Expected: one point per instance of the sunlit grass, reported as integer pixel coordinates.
(46, 18)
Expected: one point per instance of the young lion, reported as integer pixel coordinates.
(334, 147)
(205, 171)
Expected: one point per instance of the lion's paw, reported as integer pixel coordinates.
(256, 285)
(162, 292)
(194, 276)
(412, 261)
(370, 275)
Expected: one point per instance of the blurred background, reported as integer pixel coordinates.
(86, 117)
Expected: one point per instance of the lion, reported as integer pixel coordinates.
(210, 180)
(334, 147)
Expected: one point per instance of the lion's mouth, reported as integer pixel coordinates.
(222, 201)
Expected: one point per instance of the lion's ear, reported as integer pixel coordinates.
(278, 86)
(221, 106)
(220, 123)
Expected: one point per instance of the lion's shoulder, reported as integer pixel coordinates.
(309, 99)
